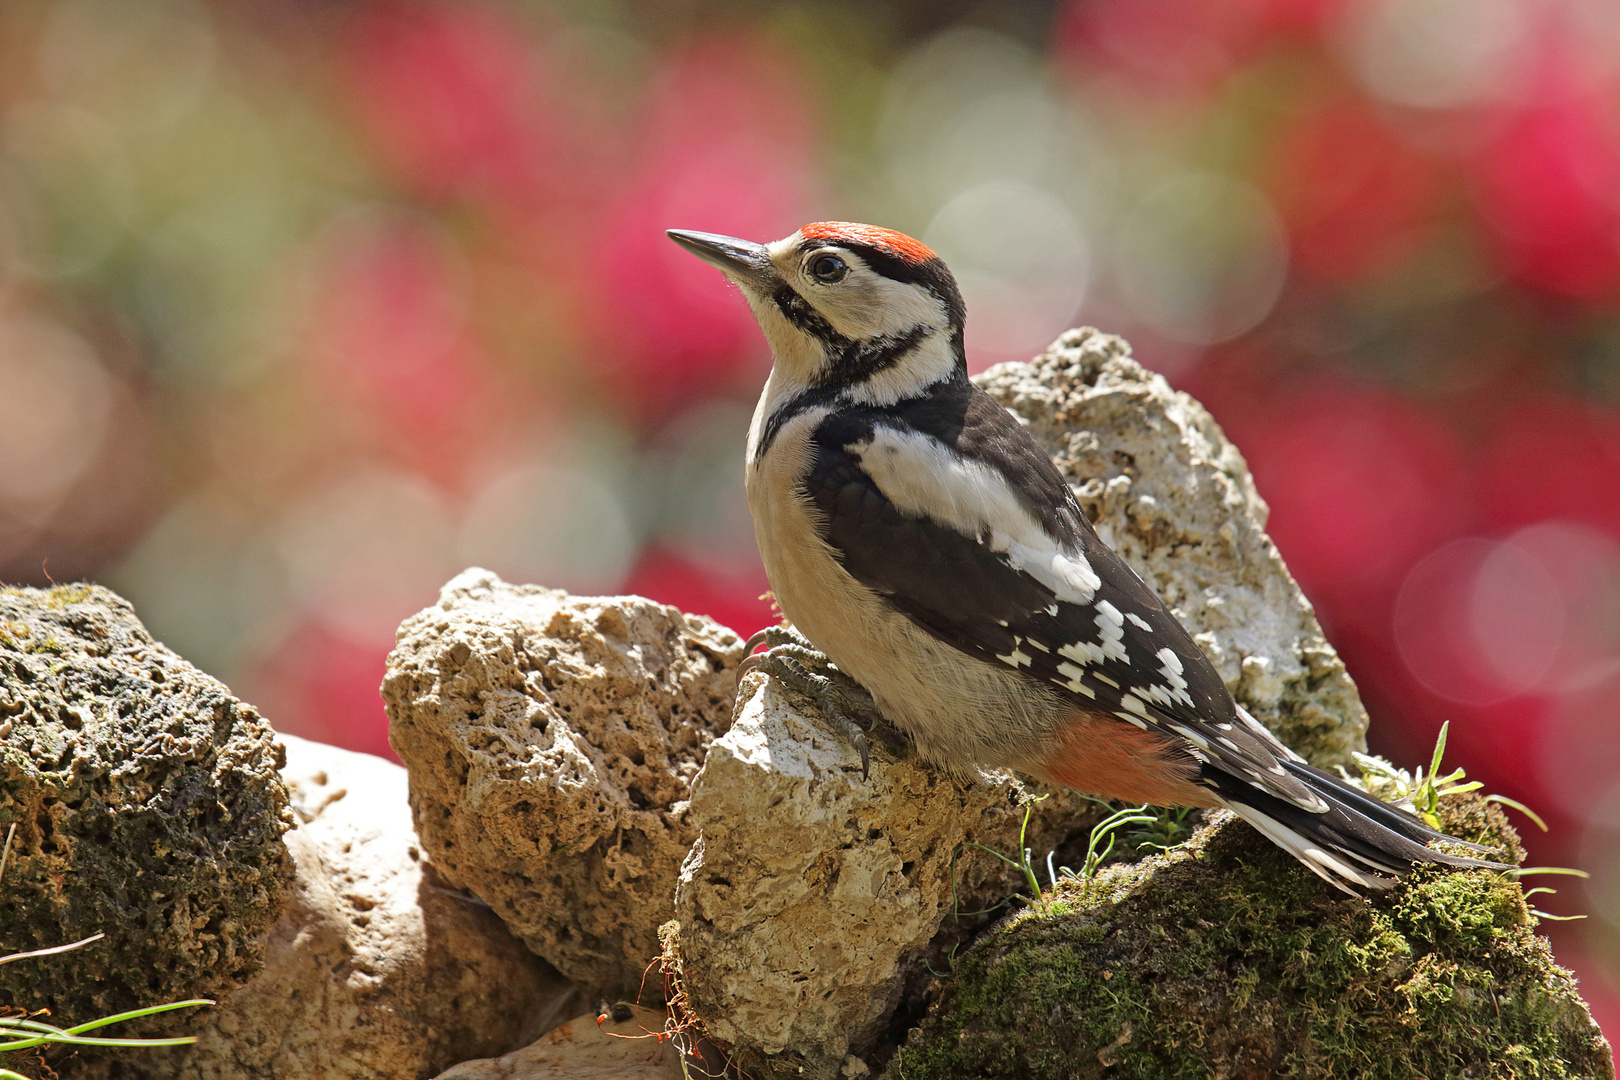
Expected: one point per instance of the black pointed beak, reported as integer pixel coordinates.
(742, 261)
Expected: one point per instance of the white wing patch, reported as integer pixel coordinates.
(923, 477)
(1075, 679)
(1174, 688)
(1111, 625)
(1018, 657)
(1068, 575)
(1110, 643)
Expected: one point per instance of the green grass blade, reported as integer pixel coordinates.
(1520, 807)
(1439, 749)
(1524, 871)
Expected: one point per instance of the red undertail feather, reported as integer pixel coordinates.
(1101, 756)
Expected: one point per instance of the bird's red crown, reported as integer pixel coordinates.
(893, 243)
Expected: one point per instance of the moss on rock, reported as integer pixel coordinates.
(1225, 958)
(146, 805)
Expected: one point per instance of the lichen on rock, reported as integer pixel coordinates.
(1225, 958)
(1167, 490)
(551, 742)
(147, 807)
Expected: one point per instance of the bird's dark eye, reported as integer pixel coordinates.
(828, 269)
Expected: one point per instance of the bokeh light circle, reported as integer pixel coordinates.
(1516, 618)
(1433, 625)
(366, 549)
(145, 64)
(1437, 54)
(70, 186)
(1202, 258)
(1021, 261)
(1479, 621)
(55, 400)
(964, 108)
(552, 521)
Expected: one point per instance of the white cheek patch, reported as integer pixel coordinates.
(871, 305)
(866, 308)
(923, 477)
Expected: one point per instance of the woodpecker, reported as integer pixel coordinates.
(919, 538)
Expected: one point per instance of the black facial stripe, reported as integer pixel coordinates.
(797, 310)
(931, 275)
(852, 364)
(858, 361)
(801, 402)
(848, 360)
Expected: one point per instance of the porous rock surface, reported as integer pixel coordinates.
(624, 1045)
(376, 969)
(1225, 958)
(551, 741)
(1166, 490)
(814, 900)
(147, 806)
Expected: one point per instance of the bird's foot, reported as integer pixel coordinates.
(791, 659)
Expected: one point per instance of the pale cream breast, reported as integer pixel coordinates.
(958, 710)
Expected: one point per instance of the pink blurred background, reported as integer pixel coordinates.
(306, 306)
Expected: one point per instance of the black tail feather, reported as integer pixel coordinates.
(1359, 843)
(1408, 825)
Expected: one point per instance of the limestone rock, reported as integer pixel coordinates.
(147, 806)
(814, 899)
(622, 1047)
(551, 740)
(377, 969)
(1225, 958)
(1167, 491)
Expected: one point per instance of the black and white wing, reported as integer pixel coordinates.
(959, 519)
(988, 550)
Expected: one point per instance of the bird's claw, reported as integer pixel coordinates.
(774, 636)
(790, 658)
